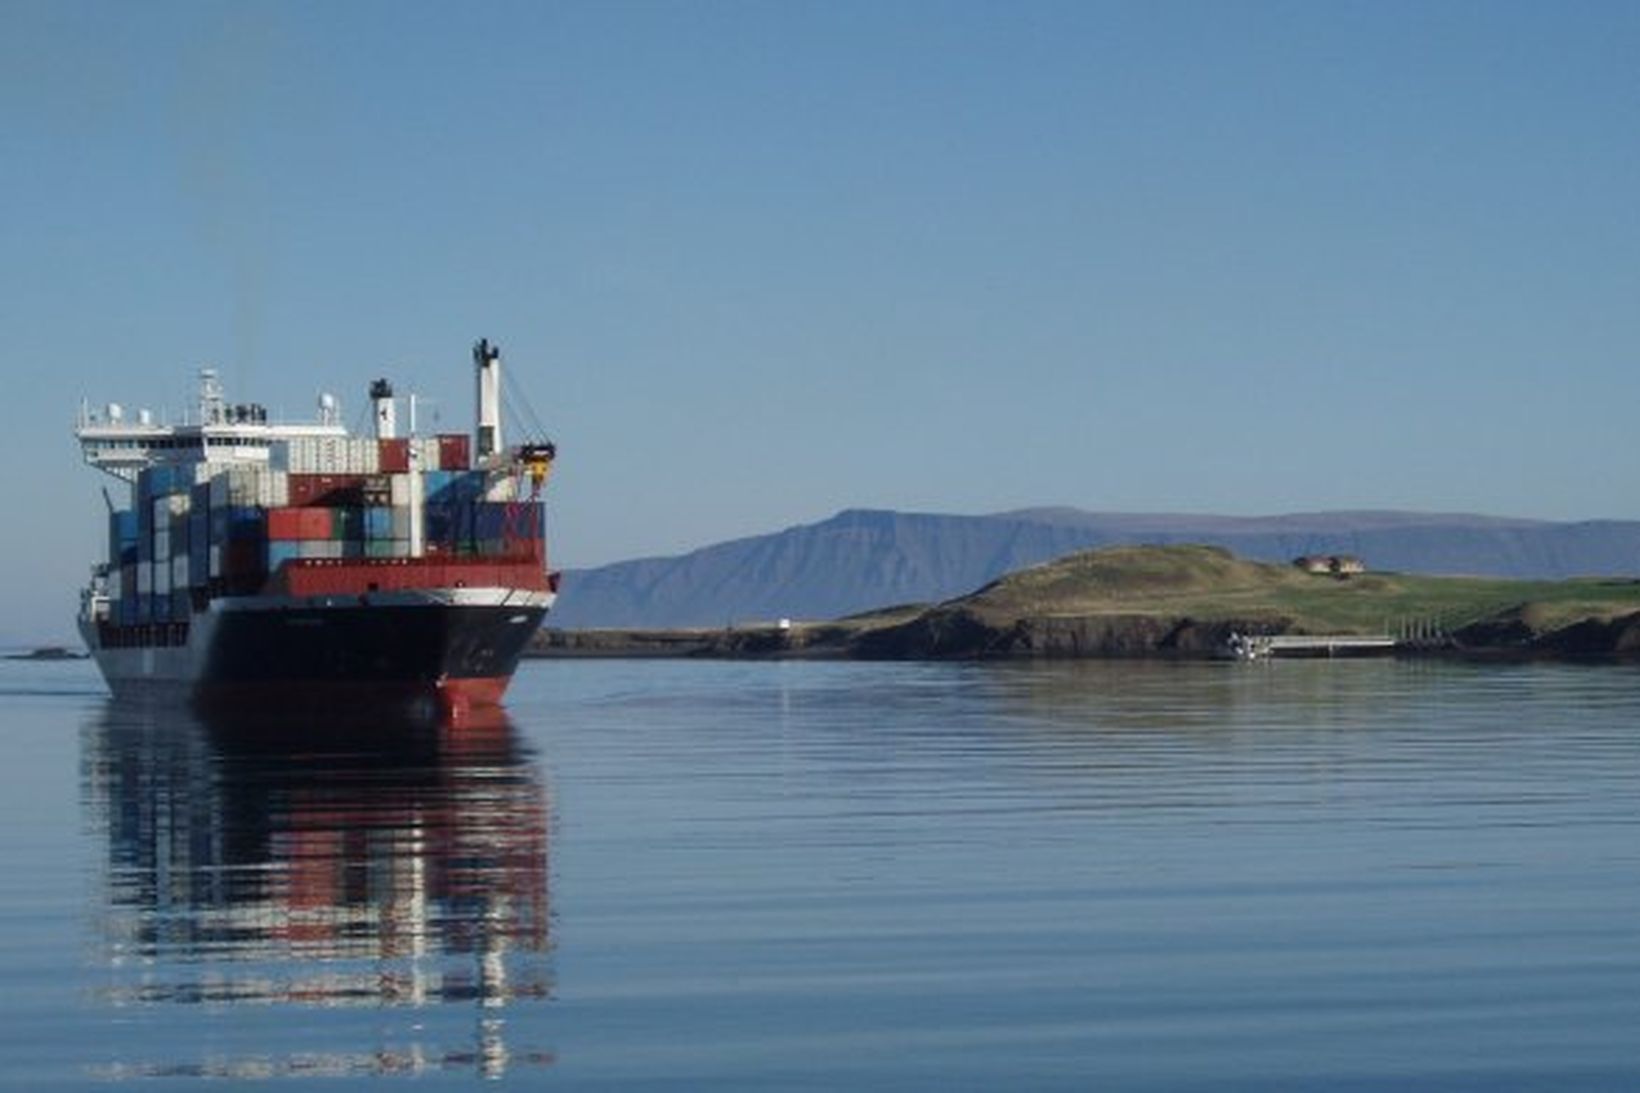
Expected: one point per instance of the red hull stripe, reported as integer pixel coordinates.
(355, 577)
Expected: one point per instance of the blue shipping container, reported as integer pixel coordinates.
(246, 522)
(378, 523)
(281, 551)
(455, 487)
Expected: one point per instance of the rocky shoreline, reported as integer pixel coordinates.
(961, 635)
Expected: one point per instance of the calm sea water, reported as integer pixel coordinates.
(1348, 876)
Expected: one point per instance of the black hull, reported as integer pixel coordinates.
(418, 660)
(366, 645)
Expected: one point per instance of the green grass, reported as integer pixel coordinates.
(1207, 582)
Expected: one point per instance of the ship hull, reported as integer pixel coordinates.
(406, 655)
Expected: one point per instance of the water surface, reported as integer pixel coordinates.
(1354, 875)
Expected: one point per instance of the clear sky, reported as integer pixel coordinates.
(755, 262)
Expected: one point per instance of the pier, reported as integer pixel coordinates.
(1260, 646)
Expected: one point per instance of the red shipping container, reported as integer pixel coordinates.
(316, 523)
(455, 452)
(285, 524)
(326, 489)
(394, 455)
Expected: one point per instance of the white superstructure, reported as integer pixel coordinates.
(222, 433)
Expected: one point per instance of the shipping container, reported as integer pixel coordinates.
(316, 523)
(454, 452)
(378, 524)
(424, 453)
(326, 489)
(249, 485)
(244, 524)
(393, 455)
(433, 483)
(284, 525)
(347, 523)
(399, 490)
(281, 551)
(490, 520)
(122, 535)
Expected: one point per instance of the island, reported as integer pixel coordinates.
(48, 652)
(1182, 602)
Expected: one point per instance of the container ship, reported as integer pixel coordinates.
(257, 565)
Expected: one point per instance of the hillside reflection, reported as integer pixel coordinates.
(361, 868)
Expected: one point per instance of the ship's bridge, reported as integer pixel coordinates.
(221, 433)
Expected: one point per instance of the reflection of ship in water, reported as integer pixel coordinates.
(347, 869)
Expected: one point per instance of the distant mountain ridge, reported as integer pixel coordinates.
(862, 559)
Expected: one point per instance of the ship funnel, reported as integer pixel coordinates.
(381, 397)
(487, 364)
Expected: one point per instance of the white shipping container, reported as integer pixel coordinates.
(145, 578)
(162, 579)
(398, 486)
(401, 522)
(424, 452)
(273, 489)
(319, 548)
(364, 455)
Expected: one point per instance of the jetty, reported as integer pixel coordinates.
(1261, 646)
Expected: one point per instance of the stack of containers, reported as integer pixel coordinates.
(122, 565)
(196, 530)
(235, 553)
(149, 547)
(365, 488)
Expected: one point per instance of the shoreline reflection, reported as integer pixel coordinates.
(338, 867)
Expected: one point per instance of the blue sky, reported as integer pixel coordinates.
(756, 262)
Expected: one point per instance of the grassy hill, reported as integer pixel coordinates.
(1209, 582)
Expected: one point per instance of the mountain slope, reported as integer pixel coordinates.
(864, 559)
